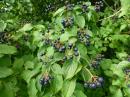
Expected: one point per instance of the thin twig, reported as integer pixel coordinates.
(111, 15)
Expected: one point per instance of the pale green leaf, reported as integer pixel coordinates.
(71, 69)
(5, 49)
(118, 93)
(59, 11)
(57, 83)
(56, 68)
(2, 25)
(68, 87)
(26, 27)
(79, 93)
(80, 21)
(32, 90)
(50, 51)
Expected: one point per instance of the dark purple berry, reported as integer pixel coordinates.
(129, 59)
(128, 85)
(76, 53)
(98, 84)
(100, 79)
(62, 31)
(75, 49)
(92, 85)
(65, 58)
(70, 45)
(63, 48)
(86, 85)
(60, 50)
(87, 43)
(71, 57)
(87, 36)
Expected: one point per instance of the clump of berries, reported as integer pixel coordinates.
(84, 37)
(59, 46)
(44, 58)
(95, 63)
(69, 6)
(45, 80)
(4, 37)
(71, 51)
(97, 82)
(68, 22)
(84, 8)
(98, 5)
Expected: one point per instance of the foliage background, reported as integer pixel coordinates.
(29, 28)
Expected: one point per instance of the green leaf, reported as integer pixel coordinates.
(28, 74)
(105, 64)
(59, 11)
(127, 92)
(121, 55)
(116, 82)
(57, 83)
(118, 93)
(5, 61)
(80, 21)
(123, 26)
(79, 93)
(29, 65)
(113, 89)
(71, 69)
(5, 72)
(26, 27)
(50, 51)
(8, 90)
(1, 55)
(2, 25)
(82, 51)
(5, 49)
(32, 91)
(18, 64)
(86, 74)
(125, 5)
(64, 37)
(56, 68)
(68, 87)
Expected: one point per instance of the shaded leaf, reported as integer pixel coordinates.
(5, 72)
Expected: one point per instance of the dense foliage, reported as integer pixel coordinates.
(60, 48)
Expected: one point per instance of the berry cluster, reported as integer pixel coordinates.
(98, 6)
(4, 37)
(95, 84)
(127, 76)
(69, 7)
(44, 58)
(50, 7)
(95, 63)
(84, 37)
(127, 71)
(84, 8)
(76, 53)
(68, 22)
(47, 41)
(45, 80)
(59, 46)
(71, 51)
